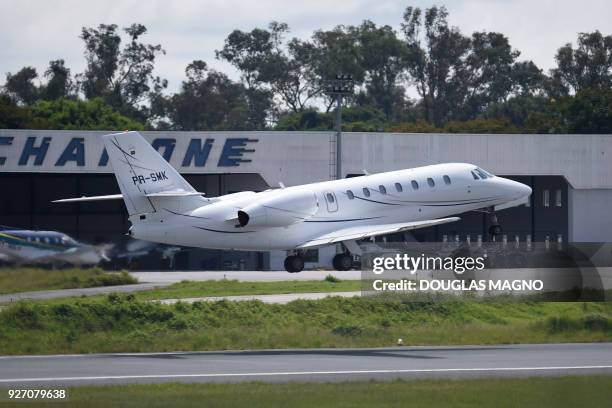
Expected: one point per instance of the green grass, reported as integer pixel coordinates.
(188, 289)
(587, 391)
(14, 280)
(124, 323)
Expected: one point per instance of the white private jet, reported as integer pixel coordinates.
(164, 208)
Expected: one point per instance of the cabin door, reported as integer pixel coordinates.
(331, 201)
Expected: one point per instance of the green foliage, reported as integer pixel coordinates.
(589, 111)
(481, 125)
(122, 77)
(209, 100)
(21, 87)
(306, 120)
(331, 278)
(93, 114)
(354, 119)
(14, 280)
(465, 83)
(120, 323)
(589, 65)
(419, 126)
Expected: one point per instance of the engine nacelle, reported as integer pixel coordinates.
(280, 210)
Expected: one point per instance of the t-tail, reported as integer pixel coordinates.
(148, 183)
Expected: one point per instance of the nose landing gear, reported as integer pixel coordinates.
(495, 229)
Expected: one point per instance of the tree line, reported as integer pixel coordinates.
(428, 77)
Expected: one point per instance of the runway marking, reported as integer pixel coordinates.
(298, 373)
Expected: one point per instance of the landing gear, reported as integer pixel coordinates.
(342, 262)
(294, 263)
(495, 228)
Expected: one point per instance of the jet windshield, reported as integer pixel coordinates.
(483, 174)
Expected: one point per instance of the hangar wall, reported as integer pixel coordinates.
(569, 174)
(590, 215)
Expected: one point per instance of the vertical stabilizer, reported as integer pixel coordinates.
(142, 174)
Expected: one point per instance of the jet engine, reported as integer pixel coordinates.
(281, 210)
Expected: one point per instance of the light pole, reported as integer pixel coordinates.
(341, 86)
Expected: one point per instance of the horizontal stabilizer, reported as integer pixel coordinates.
(181, 193)
(163, 194)
(356, 233)
(92, 198)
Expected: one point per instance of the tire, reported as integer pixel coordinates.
(342, 262)
(294, 264)
(495, 230)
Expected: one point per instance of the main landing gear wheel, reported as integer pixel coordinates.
(342, 262)
(294, 263)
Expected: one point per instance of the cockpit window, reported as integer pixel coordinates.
(475, 175)
(482, 173)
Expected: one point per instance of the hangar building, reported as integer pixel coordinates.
(571, 178)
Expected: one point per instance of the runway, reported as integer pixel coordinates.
(309, 365)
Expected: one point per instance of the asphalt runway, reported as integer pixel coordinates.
(309, 365)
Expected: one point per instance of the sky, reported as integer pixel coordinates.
(35, 32)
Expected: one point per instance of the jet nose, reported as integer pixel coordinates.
(526, 190)
(516, 189)
(521, 189)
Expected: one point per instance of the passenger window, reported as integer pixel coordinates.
(330, 197)
(382, 189)
(350, 194)
(415, 185)
(447, 179)
(366, 192)
(398, 187)
(474, 175)
(430, 182)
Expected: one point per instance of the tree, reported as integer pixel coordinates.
(589, 111)
(527, 79)
(587, 66)
(94, 114)
(20, 86)
(382, 58)
(517, 108)
(122, 77)
(490, 67)
(267, 63)
(438, 68)
(209, 100)
(59, 83)
(336, 52)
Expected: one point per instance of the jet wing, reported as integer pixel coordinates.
(355, 233)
